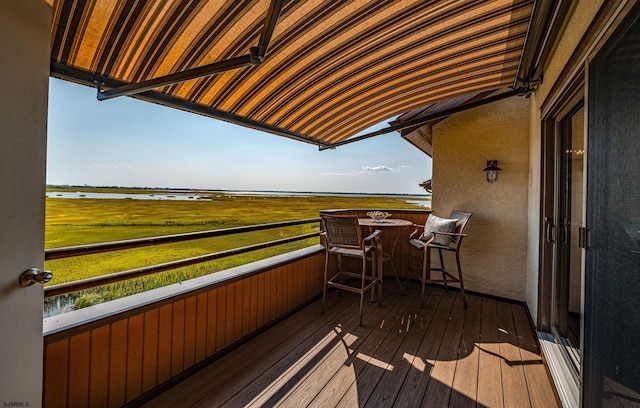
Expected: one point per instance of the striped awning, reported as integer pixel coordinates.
(331, 69)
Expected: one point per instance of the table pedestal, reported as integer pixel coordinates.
(388, 223)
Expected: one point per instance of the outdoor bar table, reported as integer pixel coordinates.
(397, 223)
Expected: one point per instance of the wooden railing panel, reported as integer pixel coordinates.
(113, 362)
(237, 312)
(177, 338)
(279, 297)
(164, 343)
(299, 290)
(262, 290)
(118, 363)
(293, 287)
(201, 326)
(247, 313)
(150, 352)
(79, 352)
(55, 368)
(229, 317)
(99, 371)
(286, 289)
(212, 302)
(190, 315)
(221, 322)
(134, 356)
(270, 306)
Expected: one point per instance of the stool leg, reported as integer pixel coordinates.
(426, 266)
(444, 274)
(362, 285)
(324, 283)
(380, 282)
(464, 297)
(339, 272)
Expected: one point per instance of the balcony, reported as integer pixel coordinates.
(254, 335)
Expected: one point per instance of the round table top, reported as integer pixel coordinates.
(389, 222)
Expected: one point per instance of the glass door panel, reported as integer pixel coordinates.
(567, 294)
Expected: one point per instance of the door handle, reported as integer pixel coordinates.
(549, 230)
(33, 275)
(582, 237)
(563, 231)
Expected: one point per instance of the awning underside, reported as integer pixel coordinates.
(332, 69)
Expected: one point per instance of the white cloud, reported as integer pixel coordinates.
(367, 169)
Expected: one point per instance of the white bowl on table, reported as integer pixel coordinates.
(378, 216)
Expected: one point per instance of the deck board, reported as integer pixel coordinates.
(373, 361)
(272, 385)
(540, 388)
(444, 365)
(417, 380)
(465, 381)
(403, 355)
(342, 356)
(489, 369)
(514, 386)
(391, 382)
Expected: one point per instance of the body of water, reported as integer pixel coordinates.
(421, 203)
(122, 196)
(422, 200)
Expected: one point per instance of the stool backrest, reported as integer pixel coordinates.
(463, 219)
(342, 231)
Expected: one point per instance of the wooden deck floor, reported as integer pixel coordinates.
(402, 356)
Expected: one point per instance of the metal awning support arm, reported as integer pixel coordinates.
(205, 70)
(425, 119)
(269, 25)
(90, 79)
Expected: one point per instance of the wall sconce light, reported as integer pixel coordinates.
(492, 170)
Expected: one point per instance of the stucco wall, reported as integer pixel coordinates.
(533, 211)
(578, 20)
(494, 254)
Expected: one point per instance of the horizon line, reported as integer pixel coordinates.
(229, 190)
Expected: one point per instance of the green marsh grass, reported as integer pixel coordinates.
(84, 221)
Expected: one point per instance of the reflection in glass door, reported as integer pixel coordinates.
(567, 293)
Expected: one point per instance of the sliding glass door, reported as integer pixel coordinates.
(567, 273)
(560, 308)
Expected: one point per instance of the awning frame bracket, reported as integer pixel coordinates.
(545, 24)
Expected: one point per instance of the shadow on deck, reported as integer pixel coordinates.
(403, 356)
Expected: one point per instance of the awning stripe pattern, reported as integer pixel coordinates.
(333, 68)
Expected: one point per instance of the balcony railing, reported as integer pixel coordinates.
(68, 252)
(112, 353)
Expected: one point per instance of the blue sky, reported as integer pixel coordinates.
(126, 142)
